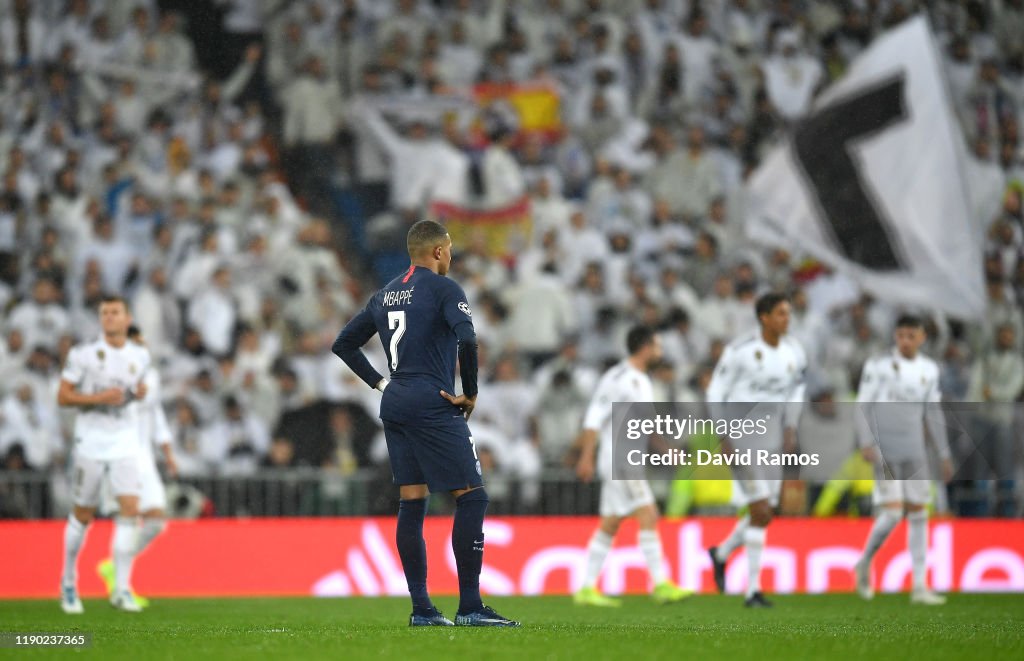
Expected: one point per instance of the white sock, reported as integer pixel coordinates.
(74, 535)
(753, 540)
(917, 544)
(650, 544)
(885, 521)
(597, 551)
(123, 550)
(150, 529)
(733, 541)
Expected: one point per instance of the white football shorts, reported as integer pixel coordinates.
(88, 475)
(901, 482)
(751, 490)
(623, 497)
(153, 496)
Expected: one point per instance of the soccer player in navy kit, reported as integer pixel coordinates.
(424, 321)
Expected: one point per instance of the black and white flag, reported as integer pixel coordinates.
(872, 182)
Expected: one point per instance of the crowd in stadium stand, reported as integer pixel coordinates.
(242, 183)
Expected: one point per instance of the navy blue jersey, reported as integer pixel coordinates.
(419, 317)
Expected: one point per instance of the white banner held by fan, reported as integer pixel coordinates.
(872, 182)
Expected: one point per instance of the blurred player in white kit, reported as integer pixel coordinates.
(764, 367)
(104, 379)
(899, 402)
(155, 432)
(625, 382)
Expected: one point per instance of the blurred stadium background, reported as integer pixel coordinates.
(244, 171)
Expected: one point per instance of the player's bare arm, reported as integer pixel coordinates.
(587, 443)
(789, 440)
(169, 460)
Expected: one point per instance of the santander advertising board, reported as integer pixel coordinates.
(336, 557)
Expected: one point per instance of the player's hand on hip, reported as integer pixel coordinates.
(141, 390)
(111, 397)
(467, 404)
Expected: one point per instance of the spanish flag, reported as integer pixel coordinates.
(537, 105)
(505, 231)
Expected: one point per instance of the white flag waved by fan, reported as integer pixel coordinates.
(872, 181)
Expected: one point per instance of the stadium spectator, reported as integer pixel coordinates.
(213, 312)
(997, 382)
(31, 423)
(235, 442)
(502, 177)
(156, 313)
(280, 455)
(540, 316)
(562, 401)
(791, 77)
(314, 111)
(185, 431)
(43, 318)
(22, 35)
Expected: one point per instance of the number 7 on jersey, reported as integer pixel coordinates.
(396, 322)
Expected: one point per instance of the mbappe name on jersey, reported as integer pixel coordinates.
(400, 297)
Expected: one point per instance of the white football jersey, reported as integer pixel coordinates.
(898, 397)
(106, 432)
(621, 383)
(752, 371)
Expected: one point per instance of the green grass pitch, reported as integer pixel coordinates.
(799, 627)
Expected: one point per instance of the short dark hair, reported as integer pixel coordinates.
(113, 298)
(767, 302)
(909, 321)
(424, 235)
(638, 337)
(677, 315)
(744, 288)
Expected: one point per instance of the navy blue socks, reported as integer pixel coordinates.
(468, 546)
(413, 552)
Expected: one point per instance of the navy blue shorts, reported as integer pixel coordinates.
(441, 456)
